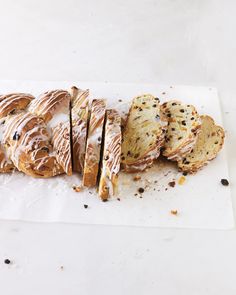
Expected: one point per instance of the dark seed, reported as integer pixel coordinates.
(85, 206)
(225, 182)
(179, 137)
(192, 118)
(118, 199)
(123, 158)
(156, 98)
(174, 104)
(106, 158)
(185, 173)
(46, 149)
(99, 139)
(7, 261)
(154, 106)
(172, 183)
(182, 110)
(184, 123)
(16, 136)
(173, 129)
(168, 115)
(141, 190)
(216, 142)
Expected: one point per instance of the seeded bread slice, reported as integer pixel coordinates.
(143, 134)
(111, 155)
(94, 140)
(183, 127)
(209, 143)
(79, 118)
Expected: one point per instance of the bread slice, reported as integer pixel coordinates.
(209, 143)
(183, 127)
(10, 104)
(38, 140)
(143, 134)
(94, 140)
(79, 122)
(111, 155)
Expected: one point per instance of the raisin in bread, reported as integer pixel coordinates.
(111, 155)
(209, 143)
(38, 140)
(10, 104)
(79, 118)
(94, 140)
(143, 134)
(183, 127)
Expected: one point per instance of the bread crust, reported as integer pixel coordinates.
(94, 140)
(111, 155)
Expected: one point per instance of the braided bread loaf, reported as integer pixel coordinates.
(10, 104)
(38, 141)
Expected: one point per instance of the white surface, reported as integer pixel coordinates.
(202, 202)
(177, 42)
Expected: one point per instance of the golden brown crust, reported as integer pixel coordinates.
(12, 102)
(94, 140)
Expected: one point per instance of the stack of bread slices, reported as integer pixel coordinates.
(64, 132)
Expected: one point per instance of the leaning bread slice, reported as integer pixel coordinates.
(10, 104)
(94, 140)
(183, 127)
(143, 134)
(209, 143)
(79, 118)
(111, 155)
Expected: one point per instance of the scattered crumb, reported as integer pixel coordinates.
(62, 267)
(120, 100)
(181, 180)
(171, 86)
(90, 193)
(7, 261)
(137, 177)
(166, 189)
(140, 197)
(118, 199)
(185, 173)
(172, 183)
(141, 190)
(85, 206)
(136, 195)
(77, 188)
(104, 200)
(163, 93)
(155, 181)
(224, 182)
(174, 212)
(154, 189)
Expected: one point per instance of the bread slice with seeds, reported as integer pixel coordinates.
(94, 140)
(183, 127)
(111, 155)
(79, 118)
(143, 134)
(209, 143)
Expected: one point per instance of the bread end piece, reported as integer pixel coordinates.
(209, 142)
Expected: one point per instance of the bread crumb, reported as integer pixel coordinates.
(137, 177)
(62, 267)
(77, 188)
(171, 183)
(174, 212)
(181, 180)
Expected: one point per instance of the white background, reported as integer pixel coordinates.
(177, 42)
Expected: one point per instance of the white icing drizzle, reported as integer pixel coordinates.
(112, 151)
(93, 148)
(79, 116)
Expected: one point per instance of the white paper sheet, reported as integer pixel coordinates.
(202, 201)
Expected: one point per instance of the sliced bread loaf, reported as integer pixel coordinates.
(143, 134)
(94, 140)
(183, 127)
(79, 118)
(111, 155)
(209, 143)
